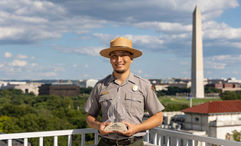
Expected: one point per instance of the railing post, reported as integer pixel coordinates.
(10, 142)
(41, 141)
(96, 138)
(147, 137)
(55, 140)
(155, 138)
(177, 142)
(168, 141)
(82, 139)
(159, 140)
(185, 142)
(25, 142)
(69, 140)
(195, 143)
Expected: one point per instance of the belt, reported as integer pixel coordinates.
(122, 141)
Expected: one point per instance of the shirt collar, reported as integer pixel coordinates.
(130, 78)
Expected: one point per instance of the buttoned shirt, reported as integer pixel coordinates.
(133, 97)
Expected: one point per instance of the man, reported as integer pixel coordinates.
(124, 96)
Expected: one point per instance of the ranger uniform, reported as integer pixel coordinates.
(135, 94)
(122, 97)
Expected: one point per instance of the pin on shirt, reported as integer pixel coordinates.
(105, 92)
(135, 88)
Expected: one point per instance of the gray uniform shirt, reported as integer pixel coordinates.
(135, 95)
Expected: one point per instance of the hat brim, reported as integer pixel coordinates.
(106, 52)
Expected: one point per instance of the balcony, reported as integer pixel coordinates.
(154, 137)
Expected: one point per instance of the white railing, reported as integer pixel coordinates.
(55, 134)
(156, 136)
(164, 137)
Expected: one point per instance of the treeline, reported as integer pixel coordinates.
(228, 95)
(28, 113)
(172, 91)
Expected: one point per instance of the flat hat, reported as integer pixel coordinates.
(120, 44)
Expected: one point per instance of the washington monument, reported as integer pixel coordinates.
(197, 89)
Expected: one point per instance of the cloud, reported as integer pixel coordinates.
(222, 61)
(2, 65)
(21, 56)
(92, 51)
(86, 66)
(75, 65)
(19, 63)
(27, 21)
(142, 10)
(215, 65)
(214, 30)
(226, 58)
(165, 26)
(7, 55)
(34, 64)
(48, 74)
(137, 40)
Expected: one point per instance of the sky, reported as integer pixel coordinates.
(61, 39)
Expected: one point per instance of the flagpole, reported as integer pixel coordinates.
(191, 102)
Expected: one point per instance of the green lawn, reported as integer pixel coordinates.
(177, 104)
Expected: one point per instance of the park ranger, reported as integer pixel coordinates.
(122, 98)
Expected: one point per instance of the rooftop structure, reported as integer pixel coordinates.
(216, 119)
(225, 106)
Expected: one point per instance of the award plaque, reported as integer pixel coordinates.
(116, 127)
(116, 114)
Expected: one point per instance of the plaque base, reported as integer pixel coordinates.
(116, 127)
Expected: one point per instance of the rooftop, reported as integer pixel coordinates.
(226, 106)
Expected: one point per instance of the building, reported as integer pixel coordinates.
(2, 84)
(25, 87)
(226, 86)
(59, 89)
(87, 83)
(214, 119)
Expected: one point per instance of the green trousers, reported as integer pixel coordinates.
(136, 143)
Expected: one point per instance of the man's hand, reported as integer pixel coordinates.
(102, 127)
(131, 129)
(93, 123)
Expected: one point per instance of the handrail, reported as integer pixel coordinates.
(54, 134)
(155, 136)
(47, 133)
(178, 135)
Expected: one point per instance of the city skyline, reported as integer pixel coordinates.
(62, 39)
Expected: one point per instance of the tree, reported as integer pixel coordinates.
(212, 90)
(2, 120)
(228, 95)
(236, 135)
(173, 91)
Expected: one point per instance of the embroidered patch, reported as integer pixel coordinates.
(105, 92)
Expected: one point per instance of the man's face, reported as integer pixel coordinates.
(121, 61)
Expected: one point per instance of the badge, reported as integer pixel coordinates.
(135, 88)
(105, 92)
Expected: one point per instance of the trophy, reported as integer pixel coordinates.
(116, 114)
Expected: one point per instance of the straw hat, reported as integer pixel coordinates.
(120, 44)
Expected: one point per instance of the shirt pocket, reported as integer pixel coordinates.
(135, 104)
(105, 101)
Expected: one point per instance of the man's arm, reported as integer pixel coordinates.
(150, 123)
(94, 123)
